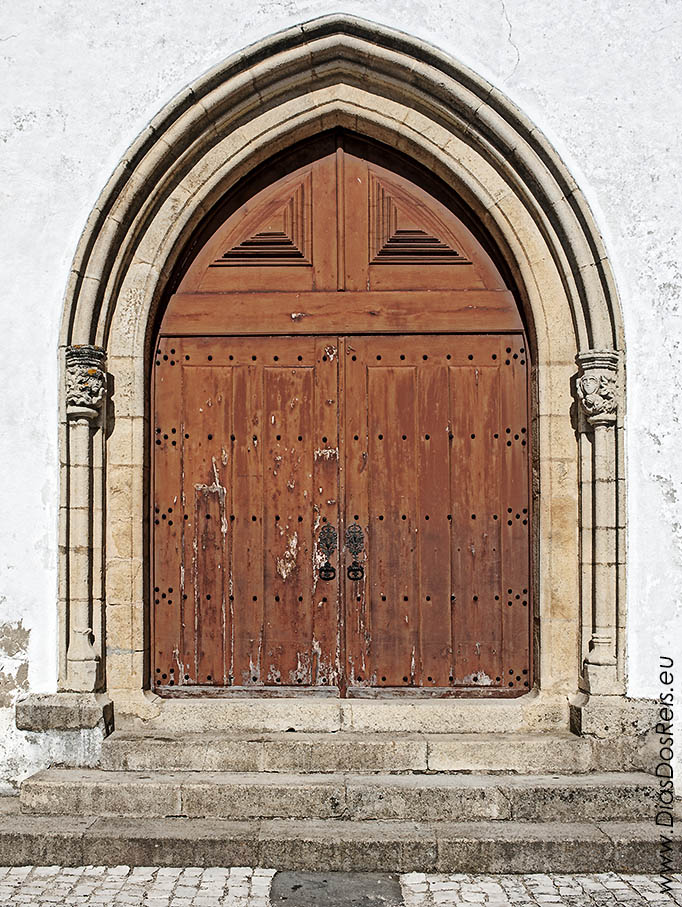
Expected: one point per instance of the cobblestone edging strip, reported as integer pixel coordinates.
(143, 885)
(150, 886)
(420, 890)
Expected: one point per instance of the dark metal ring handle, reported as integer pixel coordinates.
(327, 542)
(355, 542)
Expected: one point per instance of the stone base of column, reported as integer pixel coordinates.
(602, 679)
(613, 716)
(65, 712)
(82, 674)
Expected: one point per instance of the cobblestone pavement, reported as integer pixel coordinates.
(421, 890)
(245, 887)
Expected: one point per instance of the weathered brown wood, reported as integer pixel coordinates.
(475, 508)
(206, 491)
(384, 312)
(342, 360)
(342, 222)
(171, 657)
(427, 479)
(272, 238)
(514, 486)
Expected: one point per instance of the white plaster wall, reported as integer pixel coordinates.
(80, 80)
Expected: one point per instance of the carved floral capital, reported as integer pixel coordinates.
(86, 380)
(597, 386)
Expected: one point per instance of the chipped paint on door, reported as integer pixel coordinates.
(391, 417)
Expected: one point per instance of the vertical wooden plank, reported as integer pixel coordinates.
(326, 600)
(288, 439)
(477, 622)
(207, 402)
(356, 223)
(355, 478)
(323, 224)
(435, 518)
(515, 566)
(168, 663)
(246, 579)
(393, 517)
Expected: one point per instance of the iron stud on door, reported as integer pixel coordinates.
(396, 417)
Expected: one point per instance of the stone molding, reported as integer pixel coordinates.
(597, 390)
(340, 71)
(597, 387)
(86, 380)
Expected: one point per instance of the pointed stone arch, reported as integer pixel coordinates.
(343, 72)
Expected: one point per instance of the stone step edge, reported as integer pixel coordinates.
(412, 751)
(327, 845)
(350, 796)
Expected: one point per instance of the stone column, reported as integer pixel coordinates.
(597, 389)
(85, 396)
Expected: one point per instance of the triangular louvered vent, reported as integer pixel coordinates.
(283, 240)
(397, 237)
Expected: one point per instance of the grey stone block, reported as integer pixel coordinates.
(180, 752)
(38, 840)
(64, 712)
(522, 753)
(335, 845)
(425, 797)
(522, 847)
(368, 753)
(88, 792)
(585, 797)
(171, 842)
(336, 889)
(637, 847)
(252, 715)
(263, 795)
(613, 716)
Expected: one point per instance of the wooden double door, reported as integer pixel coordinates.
(345, 511)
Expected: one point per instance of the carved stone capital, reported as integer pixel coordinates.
(86, 380)
(597, 387)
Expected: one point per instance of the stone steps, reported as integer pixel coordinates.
(351, 796)
(330, 844)
(318, 714)
(343, 751)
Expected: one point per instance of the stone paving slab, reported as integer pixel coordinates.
(336, 889)
(153, 886)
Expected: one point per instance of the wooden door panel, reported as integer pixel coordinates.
(477, 618)
(441, 493)
(284, 238)
(340, 435)
(251, 471)
(171, 649)
(391, 410)
(207, 545)
(433, 482)
(514, 481)
(385, 312)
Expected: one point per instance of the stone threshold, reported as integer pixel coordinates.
(338, 751)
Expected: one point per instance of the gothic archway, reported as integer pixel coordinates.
(342, 72)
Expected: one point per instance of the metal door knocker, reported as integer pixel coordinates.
(355, 542)
(326, 543)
